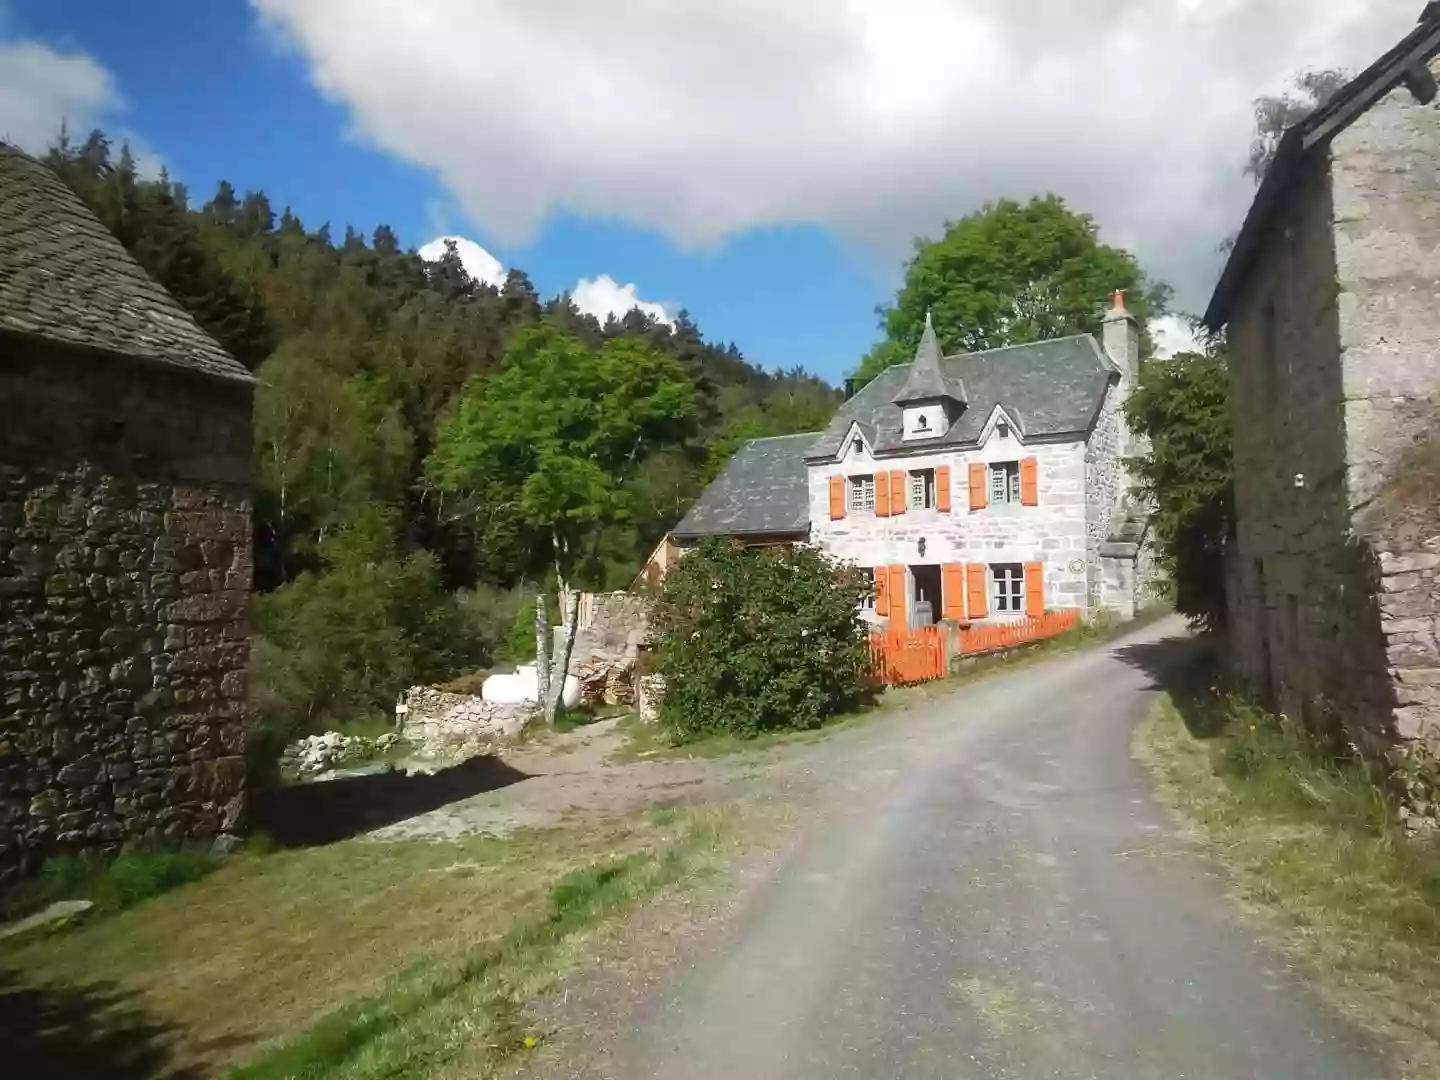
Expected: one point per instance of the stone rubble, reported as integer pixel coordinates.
(317, 754)
(440, 724)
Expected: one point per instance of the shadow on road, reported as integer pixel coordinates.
(83, 1032)
(1188, 668)
(322, 813)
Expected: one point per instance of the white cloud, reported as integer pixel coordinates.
(40, 88)
(478, 263)
(603, 296)
(877, 118)
(1173, 334)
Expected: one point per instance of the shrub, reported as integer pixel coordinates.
(760, 639)
(337, 646)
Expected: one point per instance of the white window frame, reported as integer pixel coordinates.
(860, 494)
(1003, 481)
(1007, 588)
(921, 489)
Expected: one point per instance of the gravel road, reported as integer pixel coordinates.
(986, 890)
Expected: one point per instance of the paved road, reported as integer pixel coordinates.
(994, 896)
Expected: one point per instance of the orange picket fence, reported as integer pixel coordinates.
(911, 656)
(978, 639)
(908, 656)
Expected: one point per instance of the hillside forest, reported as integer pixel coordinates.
(390, 548)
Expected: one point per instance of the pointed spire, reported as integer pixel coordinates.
(926, 381)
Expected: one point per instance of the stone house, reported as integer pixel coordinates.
(978, 486)
(1329, 302)
(125, 544)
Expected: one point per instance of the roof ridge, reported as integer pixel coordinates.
(1018, 345)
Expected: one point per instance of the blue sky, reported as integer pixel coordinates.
(764, 163)
(212, 94)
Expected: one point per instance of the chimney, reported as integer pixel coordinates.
(1121, 338)
(849, 389)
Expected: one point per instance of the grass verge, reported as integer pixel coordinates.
(1313, 853)
(111, 886)
(364, 958)
(645, 741)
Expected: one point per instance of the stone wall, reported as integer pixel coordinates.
(1333, 365)
(125, 567)
(1054, 532)
(440, 724)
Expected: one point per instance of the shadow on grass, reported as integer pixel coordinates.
(324, 812)
(1188, 668)
(83, 1032)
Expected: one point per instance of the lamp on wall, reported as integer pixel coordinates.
(1004, 429)
(920, 545)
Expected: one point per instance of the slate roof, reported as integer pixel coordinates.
(1048, 388)
(926, 381)
(65, 278)
(764, 489)
(1304, 142)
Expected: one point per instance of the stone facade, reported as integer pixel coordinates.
(1333, 380)
(125, 567)
(440, 724)
(1079, 485)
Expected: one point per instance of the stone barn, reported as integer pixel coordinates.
(125, 544)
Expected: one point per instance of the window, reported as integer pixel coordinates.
(922, 489)
(1005, 482)
(867, 575)
(862, 493)
(1007, 587)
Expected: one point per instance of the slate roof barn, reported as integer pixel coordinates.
(125, 544)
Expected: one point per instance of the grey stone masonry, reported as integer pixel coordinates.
(1334, 377)
(125, 568)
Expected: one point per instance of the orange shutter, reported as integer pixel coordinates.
(1029, 487)
(942, 489)
(897, 598)
(897, 493)
(882, 494)
(837, 498)
(979, 493)
(882, 591)
(1034, 589)
(952, 591)
(978, 600)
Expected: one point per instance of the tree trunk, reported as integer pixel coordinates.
(573, 618)
(542, 654)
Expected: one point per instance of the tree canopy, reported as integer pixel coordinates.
(1182, 407)
(365, 356)
(1010, 274)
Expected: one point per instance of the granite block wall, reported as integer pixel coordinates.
(125, 569)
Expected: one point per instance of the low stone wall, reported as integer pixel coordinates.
(439, 724)
(1410, 620)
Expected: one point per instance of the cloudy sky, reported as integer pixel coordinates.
(765, 164)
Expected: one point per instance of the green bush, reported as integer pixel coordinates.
(755, 640)
(336, 647)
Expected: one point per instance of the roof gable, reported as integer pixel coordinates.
(66, 279)
(1301, 144)
(1047, 388)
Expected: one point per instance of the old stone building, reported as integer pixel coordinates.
(970, 487)
(1331, 300)
(125, 540)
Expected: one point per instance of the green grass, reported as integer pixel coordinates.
(370, 958)
(653, 740)
(466, 1017)
(1313, 852)
(111, 886)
